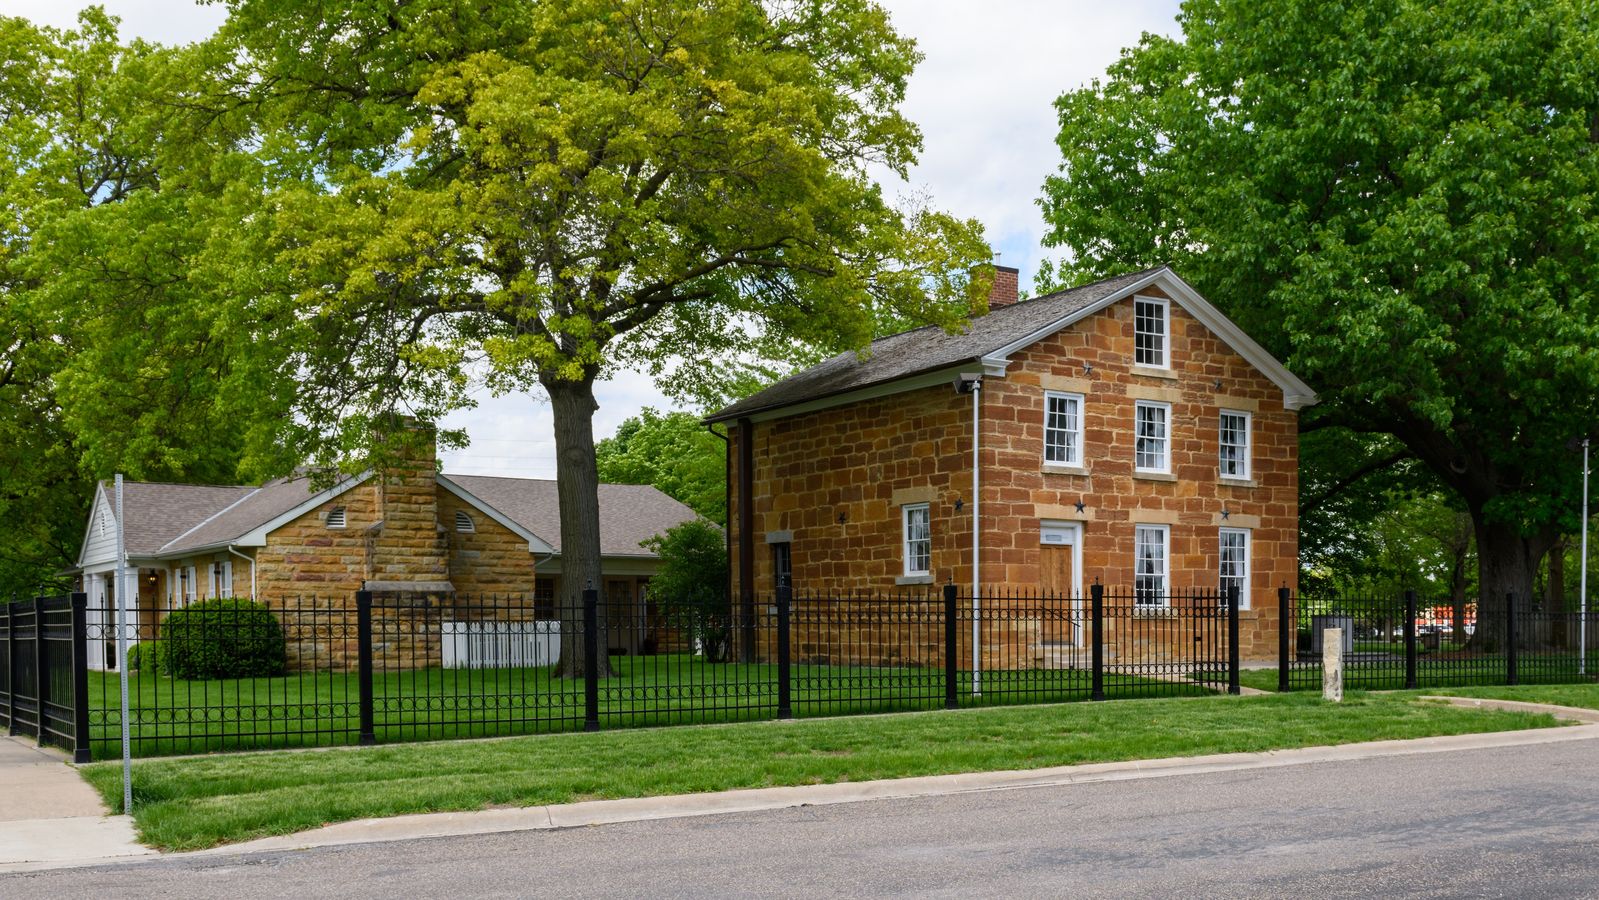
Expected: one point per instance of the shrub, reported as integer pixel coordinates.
(145, 658)
(224, 637)
(690, 587)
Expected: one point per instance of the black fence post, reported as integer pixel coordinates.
(363, 655)
(785, 597)
(11, 662)
(951, 649)
(591, 660)
(1233, 663)
(41, 675)
(1096, 596)
(1410, 640)
(80, 678)
(1512, 654)
(1286, 637)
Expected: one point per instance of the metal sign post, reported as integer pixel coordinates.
(1582, 620)
(120, 591)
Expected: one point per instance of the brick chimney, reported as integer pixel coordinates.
(409, 550)
(1004, 291)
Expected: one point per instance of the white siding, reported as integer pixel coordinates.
(100, 548)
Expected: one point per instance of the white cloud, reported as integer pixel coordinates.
(983, 97)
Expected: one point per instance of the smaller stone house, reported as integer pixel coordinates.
(411, 532)
(1123, 432)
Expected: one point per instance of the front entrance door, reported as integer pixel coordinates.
(1059, 584)
(1055, 573)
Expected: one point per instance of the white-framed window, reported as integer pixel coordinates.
(1151, 325)
(221, 578)
(1063, 428)
(1233, 438)
(918, 538)
(1151, 550)
(336, 517)
(1152, 450)
(188, 584)
(1233, 556)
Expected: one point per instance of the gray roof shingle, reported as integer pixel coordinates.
(629, 513)
(154, 513)
(259, 506)
(927, 349)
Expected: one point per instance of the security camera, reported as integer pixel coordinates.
(967, 382)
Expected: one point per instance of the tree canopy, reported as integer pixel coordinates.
(522, 195)
(1398, 198)
(673, 452)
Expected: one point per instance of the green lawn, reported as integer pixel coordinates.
(171, 716)
(1532, 668)
(191, 803)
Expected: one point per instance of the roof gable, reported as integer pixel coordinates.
(629, 513)
(906, 361)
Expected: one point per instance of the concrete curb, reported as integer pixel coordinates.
(608, 812)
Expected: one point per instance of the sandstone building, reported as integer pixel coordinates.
(1124, 432)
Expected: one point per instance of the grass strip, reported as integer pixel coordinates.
(197, 802)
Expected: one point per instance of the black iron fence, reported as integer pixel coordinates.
(379, 668)
(1407, 642)
(44, 671)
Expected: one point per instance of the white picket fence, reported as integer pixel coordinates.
(500, 645)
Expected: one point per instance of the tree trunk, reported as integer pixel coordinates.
(578, 487)
(1506, 563)
(1555, 599)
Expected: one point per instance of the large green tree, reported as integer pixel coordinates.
(106, 362)
(1397, 197)
(675, 453)
(524, 194)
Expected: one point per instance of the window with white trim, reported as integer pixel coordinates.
(1233, 438)
(1151, 323)
(1151, 549)
(221, 578)
(190, 582)
(1234, 564)
(1063, 428)
(1152, 451)
(918, 539)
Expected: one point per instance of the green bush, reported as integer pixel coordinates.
(224, 637)
(145, 658)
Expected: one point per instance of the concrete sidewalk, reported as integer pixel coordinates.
(50, 816)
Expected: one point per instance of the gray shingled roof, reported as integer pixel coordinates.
(629, 513)
(155, 513)
(259, 506)
(928, 349)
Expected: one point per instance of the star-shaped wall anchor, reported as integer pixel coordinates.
(1225, 515)
(1080, 506)
(1218, 384)
(1088, 369)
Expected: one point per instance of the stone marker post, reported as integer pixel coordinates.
(1332, 665)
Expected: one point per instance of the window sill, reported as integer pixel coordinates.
(914, 579)
(1154, 372)
(1059, 469)
(1236, 482)
(1154, 476)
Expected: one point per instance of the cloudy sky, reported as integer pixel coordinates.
(982, 97)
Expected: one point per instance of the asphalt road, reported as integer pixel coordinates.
(1519, 822)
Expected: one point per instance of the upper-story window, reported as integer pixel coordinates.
(1063, 429)
(1152, 451)
(1234, 441)
(1151, 325)
(918, 539)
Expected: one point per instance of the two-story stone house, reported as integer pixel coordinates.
(1124, 432)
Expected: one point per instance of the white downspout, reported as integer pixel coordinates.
(977, 540)
(251, 561)
(1582, 621)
